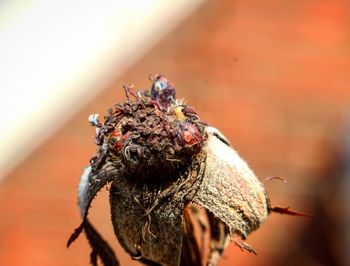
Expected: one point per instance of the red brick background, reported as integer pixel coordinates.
(273, 76)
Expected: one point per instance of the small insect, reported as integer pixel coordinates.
(169, 173)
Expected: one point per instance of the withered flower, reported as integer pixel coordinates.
(170, 175)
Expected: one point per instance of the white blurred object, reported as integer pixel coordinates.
(53, 53)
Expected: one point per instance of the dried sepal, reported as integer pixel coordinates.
(229, 188)
(90, 183)
(219, 239)
(288, 211)
(156, 237)
(194, 246)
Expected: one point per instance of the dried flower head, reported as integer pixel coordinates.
(170, 173)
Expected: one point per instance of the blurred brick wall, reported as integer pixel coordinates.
(271, 75)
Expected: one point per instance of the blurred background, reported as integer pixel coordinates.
(273, 76)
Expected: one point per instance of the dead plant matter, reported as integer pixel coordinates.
(171, 175)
